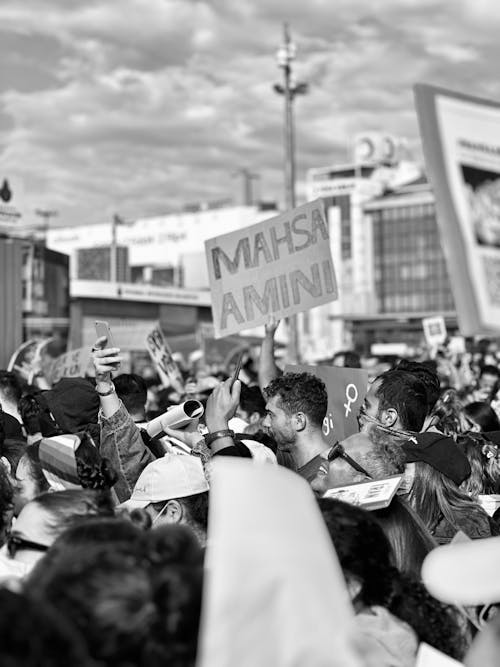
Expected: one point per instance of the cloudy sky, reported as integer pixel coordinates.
(143, 106)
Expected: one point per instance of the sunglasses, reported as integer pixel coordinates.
(338, 451)
(17, 543)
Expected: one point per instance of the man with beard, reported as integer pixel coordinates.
(295, 409)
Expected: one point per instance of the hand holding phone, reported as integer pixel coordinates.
(103, 331)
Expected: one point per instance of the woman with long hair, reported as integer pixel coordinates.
(443, 507)
(407, 534)
(394, 612)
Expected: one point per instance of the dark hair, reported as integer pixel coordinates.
(86, 534)
(66, 508)
(35, 469)
(10, 386)
(13, 449)
(365, 555)
(6, 502)
(136, 603)
(36, 414)
(448, 415)
(405, 393)
(484, 459)
(94, 471)
(35, 635)
(252, 400)
(351, 358)
(490, 370)
(132, 390)
(483, 415)
(196, 507)
(300, 392)
(409, 538)
(426, 375)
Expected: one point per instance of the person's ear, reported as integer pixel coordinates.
(299, 421)
(254, 418)
(174, 511)
(389, 417)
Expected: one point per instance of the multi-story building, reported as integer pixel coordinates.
(34, 293)
(386, 249)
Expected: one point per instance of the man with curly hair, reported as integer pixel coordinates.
(295, 409)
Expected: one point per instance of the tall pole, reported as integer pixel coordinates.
(285, 56)
(113, 268)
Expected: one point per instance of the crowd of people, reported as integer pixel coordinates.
(107, 524)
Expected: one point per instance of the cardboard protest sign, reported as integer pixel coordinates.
(461, 141)
(346, 389)
(70, 365)
(23, 359)
(279, 610)
(428, 656)
(434, 331)
(161, 354)
(281, 266)
(372, 495)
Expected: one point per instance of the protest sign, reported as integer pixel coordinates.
(427, 656)
(372, 495)
(161, 354)
(69, 365)
(461, 140)
(434, 331)
(346, 388)
(281, 266)
(22, 361)
(256, 511)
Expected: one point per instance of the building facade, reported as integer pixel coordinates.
(386, 248)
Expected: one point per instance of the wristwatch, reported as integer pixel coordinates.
(110, 391)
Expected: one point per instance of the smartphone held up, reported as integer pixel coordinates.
(103, 331)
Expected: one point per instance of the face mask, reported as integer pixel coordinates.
(363, 417)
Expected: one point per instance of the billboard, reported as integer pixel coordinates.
(461, 140)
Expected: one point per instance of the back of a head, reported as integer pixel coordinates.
(349, 359)
(35, 635)
(10, 387)
(407, 394)
(252, 400)
(300, 392)
(67, 508)
(426, 375)
(94, 472)
(365, 555)
(74, 403)
(108, 596)
(132, 390)
(482, 414)
(489, 369)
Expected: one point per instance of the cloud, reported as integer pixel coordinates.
(143, 106)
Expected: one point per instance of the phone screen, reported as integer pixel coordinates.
(102, 329)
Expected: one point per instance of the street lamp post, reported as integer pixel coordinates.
(289, 89)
